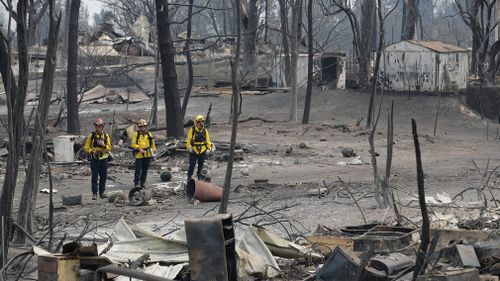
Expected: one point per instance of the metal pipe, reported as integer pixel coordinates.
(126, 272)
(203, 191)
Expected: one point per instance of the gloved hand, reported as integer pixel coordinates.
(212, 149)
(191, 150)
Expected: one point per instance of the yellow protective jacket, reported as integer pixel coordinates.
(144, 141)
(95, 150)
(198, 139)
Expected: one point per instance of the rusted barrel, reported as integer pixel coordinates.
(203, 191)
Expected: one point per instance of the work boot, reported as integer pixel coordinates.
(103, 195)
(94, 196)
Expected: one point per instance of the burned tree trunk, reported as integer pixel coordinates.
(27, 205)
(410, 19)
(189, 61)
(5, 68)
(425, 233)
(73, 121)
(310, 60)
(367, 11)
(371, 104)
(493, 62)
(15, 107)
(284, 40)
(169, 74)
(293, 60)
(478, 15)
(250, 22)
(234, 108)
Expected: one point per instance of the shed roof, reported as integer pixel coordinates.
(438, 46)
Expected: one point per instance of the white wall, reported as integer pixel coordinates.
(409, 71)
(453, 71)
(409, 67)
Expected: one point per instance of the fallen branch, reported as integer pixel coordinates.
(253, 118)
(353, 198)
(472, 188)
(28, 235)
(11, 261)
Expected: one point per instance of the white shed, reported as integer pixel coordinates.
(424, 66)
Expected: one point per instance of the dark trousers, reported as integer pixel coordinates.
(193, 158)
(99, 170)
(141, 170)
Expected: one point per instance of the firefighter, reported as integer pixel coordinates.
(144, 148)
(98, 147)
(198, 144)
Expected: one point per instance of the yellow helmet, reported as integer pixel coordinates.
(199, 118)
(142, 122)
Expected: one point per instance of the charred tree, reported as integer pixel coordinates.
(73, 121)
(169, 74)
(365, 37)
(425, 233)
(293, 60)
(284, 40)
(27, 205)
(310, 60)
(15, 111)
(361, 34)
(234, 108)
(189, 61)
(250, 22)
(410, 19)
(478, 15)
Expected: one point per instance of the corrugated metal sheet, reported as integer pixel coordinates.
(438, 46)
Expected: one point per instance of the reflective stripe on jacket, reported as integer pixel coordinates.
(199, 141)
(145, 142)
(92, 148)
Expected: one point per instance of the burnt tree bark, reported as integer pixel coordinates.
(169, 74)
(383, 194)
(493, 62)
(189, 61)
(293, 60)
(410, 19)
(234, 108)
(15, 110)
(425, 236)
(284, 40)
(310, 60)
(73, 121)
(371, 104)
(27, 205)
(364, 40)
(250, 22)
